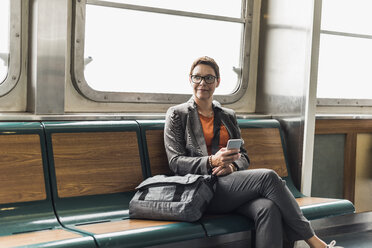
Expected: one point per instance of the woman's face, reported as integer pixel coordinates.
(203, 90)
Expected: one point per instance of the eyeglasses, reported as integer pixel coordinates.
(209, 79)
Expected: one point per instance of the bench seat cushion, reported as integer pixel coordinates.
(93, 209)
(47, 238)
(225, 224)
(140, 233)
(312, 208)
(315, 208)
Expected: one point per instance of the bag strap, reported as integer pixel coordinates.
(178, 193)
(143, 195)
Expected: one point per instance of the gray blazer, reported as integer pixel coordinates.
(184, 139)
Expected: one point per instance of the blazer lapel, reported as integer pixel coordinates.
(226, 121)
(196, 129)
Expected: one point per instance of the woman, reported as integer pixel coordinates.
(196, 134)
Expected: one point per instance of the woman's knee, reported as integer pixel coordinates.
(271, 175)
(261, 209)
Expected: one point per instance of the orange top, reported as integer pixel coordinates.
(207, 125)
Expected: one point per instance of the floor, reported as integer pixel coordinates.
(349, 231)
(353, 240)
(350, 240)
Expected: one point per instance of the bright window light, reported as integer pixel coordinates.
(350, 16)
(136, 51)
(4, 38)
(345, 68)
(345, 54)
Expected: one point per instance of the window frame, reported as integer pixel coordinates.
(78, 41)
(342, 102)
(14, 66)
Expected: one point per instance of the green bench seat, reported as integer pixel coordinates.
(27, 216)
(68, 184)
(95, 167)
(266, 148)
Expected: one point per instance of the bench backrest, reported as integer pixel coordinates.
(153, 142)
(86, 172)
(263, 143)
(25, 199)
(95, 167)
(263, 140)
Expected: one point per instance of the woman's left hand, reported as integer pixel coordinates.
(223, 170)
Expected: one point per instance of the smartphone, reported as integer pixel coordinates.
(234, 144)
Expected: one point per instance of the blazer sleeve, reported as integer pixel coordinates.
(243, 162)
(181, 162)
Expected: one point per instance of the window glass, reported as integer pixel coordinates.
(345, 67)
(4, 39)
(230, 8)
(350, 16)
(345, 53)
(135, 51)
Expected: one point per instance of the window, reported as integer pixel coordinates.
(10, 44)
(345, 53)
(212, 7)
(4, 39)
(137, 53)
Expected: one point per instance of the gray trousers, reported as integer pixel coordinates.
(263, 196)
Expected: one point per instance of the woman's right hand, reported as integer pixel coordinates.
(225, 157)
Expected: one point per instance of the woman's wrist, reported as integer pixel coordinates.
(236, 167)
(210, 161)
(232, 167)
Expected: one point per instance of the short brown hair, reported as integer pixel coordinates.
(205, 60)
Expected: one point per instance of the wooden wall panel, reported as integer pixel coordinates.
(265, 149)
(351, 128)
(94, 163)
(363, 173)
(330, 126)
(263, 145)
(350, 166)
(21, 169)
(158, 158)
